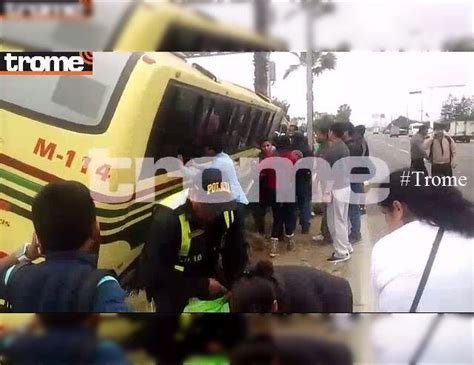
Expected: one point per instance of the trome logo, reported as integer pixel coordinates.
(46, 63)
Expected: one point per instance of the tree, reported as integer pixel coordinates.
(260, 59)
(322, 61)
(457, 109)
(283, 104)
(323, 120)
(344, 113)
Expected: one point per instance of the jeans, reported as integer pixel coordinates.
(418, 164)
(267, 200)
(284, 219)
(354, 210)
(303, 199)
(444, 169)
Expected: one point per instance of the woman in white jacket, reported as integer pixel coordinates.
(416, 216)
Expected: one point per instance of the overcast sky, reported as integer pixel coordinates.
(366, 25)
(370, 82)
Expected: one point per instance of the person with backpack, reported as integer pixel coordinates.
(61, 338)
(442, 151)
(68, 280)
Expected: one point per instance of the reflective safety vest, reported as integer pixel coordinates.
(174, 202)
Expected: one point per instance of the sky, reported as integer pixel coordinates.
(365, 25)
(370, 82)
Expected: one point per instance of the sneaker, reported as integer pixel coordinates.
(305, 230)
(291, 241)
(355, 238)
(274, 247)
(336, 259)
(318, 237)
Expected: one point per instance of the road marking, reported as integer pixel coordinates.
(405, 151)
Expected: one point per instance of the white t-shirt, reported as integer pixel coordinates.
(395, 338)
(398, 261)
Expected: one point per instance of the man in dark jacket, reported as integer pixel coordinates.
(303, 182)
(189, 234)
(358, 147)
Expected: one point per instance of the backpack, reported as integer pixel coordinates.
(82, 281)
(450, 140)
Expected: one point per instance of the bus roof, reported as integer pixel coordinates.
(101, 31)
(224, 88)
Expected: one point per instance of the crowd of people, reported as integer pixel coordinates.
(196, 245)
(341, 223)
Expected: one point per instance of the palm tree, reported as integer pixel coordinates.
(283, 104)
(322, 61)
(260, 59)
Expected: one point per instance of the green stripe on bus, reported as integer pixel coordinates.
(7, 175)
(101, 212)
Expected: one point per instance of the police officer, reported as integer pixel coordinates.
(68, 280)
(192, 232)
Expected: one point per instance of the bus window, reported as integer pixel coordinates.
(256, 122)
(175, 124)
(232, 131)
(78, 103)
(262, 127)
(224, 110)
(268, 127)
(244, 128)
(207, 122)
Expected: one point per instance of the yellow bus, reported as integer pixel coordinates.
(135, 105)
(130, 25)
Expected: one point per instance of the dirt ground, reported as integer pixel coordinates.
(307, 252)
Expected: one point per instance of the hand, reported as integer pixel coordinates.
(298, 153)
(454, 165)
(33, 251)
(327, 197)
(215, 288)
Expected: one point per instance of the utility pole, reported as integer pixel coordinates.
(309, 78)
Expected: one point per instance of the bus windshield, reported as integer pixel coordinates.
(68, 101)
(94, 34)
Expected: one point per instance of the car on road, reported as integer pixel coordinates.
(403, 132)
(394, 131)
(461, 131)
(376, 130)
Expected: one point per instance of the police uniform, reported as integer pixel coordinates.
(180, 255)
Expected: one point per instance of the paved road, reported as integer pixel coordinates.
(396, 153)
